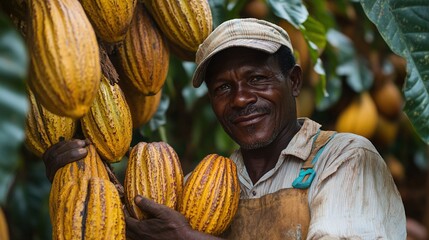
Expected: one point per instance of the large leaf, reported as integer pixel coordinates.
(13, 103)
(404, 25)
(292, 11)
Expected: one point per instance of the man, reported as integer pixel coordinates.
(297, 181)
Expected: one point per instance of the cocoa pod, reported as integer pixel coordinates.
(4, 229)
(153, 171)
(64, 68)
(90, 166)
(186, 23)
(89, 209)
(108, 124)
(43, 128)
(144, 54)
(142, 107)
(359, 117)
(110, 19)
(211, 195)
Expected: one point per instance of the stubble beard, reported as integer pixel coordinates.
(259, 143)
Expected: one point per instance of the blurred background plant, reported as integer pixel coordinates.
(365, 71)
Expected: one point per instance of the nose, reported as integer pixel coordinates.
(243, 96)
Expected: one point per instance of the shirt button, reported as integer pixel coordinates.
(254, 193)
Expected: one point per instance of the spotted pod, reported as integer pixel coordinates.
(110, 18)
(153, 171)
(185, 23)
(90, 166)
(43, 128)
(89, 209)
(144, 54)
(108, 124)
(211, 194)
(142, 107)
(65, 66)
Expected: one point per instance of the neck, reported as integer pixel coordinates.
(261, 160)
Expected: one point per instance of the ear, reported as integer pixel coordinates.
(295, 76)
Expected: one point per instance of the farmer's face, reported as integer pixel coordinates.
(253, 100)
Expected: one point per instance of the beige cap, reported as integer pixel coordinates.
(240, 32)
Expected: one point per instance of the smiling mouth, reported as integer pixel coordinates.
(248, 119)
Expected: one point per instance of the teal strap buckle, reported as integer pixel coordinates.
(299, 181)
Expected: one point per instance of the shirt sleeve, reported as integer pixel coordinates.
(356, 198)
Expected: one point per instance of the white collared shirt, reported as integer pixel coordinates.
(352, 196)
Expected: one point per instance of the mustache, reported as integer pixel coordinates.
(249, 109)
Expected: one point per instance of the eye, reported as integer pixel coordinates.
(257, 78)
(222, 88)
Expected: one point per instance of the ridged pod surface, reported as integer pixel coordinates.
(211, 194)
(89, 209)
(4, 229)
(90, 166)
(185, 23)
(108, 123)
(144, 54)
(153, 171)
(142, 107)
(43, 128)
(65, 69)
(110, 18)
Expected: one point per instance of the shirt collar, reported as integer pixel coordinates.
(297, 147)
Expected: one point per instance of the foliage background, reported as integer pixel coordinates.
(346, 48)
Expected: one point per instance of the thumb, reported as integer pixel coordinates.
(148, 206)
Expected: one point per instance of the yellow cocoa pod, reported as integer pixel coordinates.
(153, 171)
(144, 54)
(142, 107)
(186, 23)
(211, 194)
(43, 128)
(360, 117)
(65, 66)
(4, 229)
(110, 18)
(108, 123)
(388, 99)
(90, 166)
(89, 209)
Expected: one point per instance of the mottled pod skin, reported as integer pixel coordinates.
(89, 209)
(43, 128)
(110, 18)
(142, 107)
(144, 54)
(185, 23)
(65, 66)
(211, 194)
(153, 171)
(90, 166)
(108, 124)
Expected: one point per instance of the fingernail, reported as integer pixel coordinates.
(138, 198)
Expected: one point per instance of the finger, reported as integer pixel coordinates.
(70, 144)
(149, 206)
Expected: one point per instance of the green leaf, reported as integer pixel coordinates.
(13, 101)
(292, 11)
(219, 11)
(359, 76)
(404, 25)
(28, 202)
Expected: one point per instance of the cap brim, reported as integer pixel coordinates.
(258, 44)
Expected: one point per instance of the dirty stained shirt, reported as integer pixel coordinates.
(352, 196)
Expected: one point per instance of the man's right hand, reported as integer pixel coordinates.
(62, 153)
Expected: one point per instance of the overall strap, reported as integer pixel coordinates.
(307, 173)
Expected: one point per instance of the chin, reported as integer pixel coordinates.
(255, 144)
